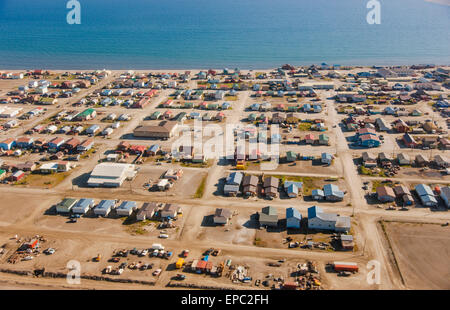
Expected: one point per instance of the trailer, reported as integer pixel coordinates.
(345, 266)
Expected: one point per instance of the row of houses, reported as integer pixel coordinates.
(426, 195)
(317, 219)
(147, 211)
(73, 145)
(370, 160)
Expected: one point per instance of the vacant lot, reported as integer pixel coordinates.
(422, 252)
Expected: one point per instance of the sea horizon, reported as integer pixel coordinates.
(250, 35)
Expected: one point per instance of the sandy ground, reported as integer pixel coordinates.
(422, 252)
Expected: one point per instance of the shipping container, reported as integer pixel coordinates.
(345, 266)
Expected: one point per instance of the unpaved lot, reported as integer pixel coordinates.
(422, 252)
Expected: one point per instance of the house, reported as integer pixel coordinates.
(401, 126)
(230, 189)
(222, 216)
(92, 130)
(369, 141)
(385, 194)
(271, 186)
(86, 145)
(426, 195)
(441, 161)
(384, 157)
(48, 168)
(403, 159)
(71, 144)
(24, 142)
(445, 195)
(66, 205)
(409, 141)
(268, 217)
(87, 114)
(17, 176)
(382, 125)
(126, 208)
(292, 188)
(293, 218)
(104, 207)
(310, 138)
(326, 158)
(153, 150)
(170, 211)
(403, 193)
(291, 156)
(147, 211)
(7, 144)
(278, 118)
(317, 194)
(55, 143)
(369, 160)
(317, 219)
(421, 161)
(324, 139)
(347, 242)
(332, 192)
(234, 178)
(250, 184)
(83, 206)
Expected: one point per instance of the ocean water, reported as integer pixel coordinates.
(169, 34)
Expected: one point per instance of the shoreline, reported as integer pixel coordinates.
(141, 70)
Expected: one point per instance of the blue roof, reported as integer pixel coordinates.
(326, 156)
(84, 203)
(235, 178)
(297, 184)
(313, 211)
(423, 190)
(105, 204)
(293, 213)
(127, 205)
(332, 190)
(317, 192)
(292, 189)
(153, 148)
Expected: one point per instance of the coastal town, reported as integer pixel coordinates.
(94, 169)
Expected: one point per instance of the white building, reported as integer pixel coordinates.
(111, 174)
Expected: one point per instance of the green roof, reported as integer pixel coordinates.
(86, 112)
(324, 137)
(2, 171)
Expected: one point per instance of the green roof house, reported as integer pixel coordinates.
(291, 156)
(66, 205)
(324, 139)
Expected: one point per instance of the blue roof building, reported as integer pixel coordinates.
(317, 194)
(332, 192)
(104, 207)
(83, 205)
(234, 178)
(293, 218)
(426, 195)
(126, 208)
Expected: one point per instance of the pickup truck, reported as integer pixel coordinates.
(157, 272)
